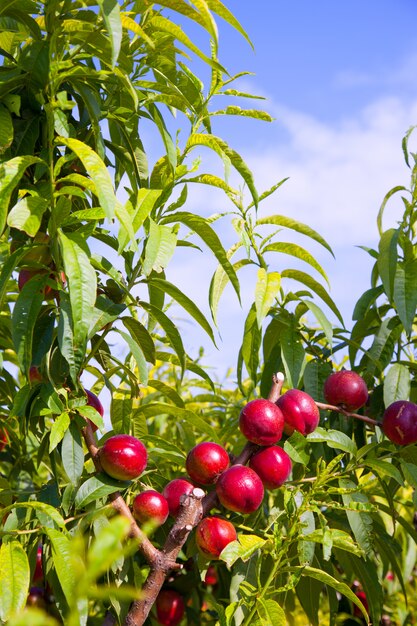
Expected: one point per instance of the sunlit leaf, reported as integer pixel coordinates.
(15, 578)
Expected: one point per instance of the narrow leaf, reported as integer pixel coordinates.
(203, 229)
(15, 578)
(299, 227)
(267, 288)
(10, 174)
(27, 214)
(95, 488)
(314, 286)
(72, 453)
(396, 384)
(110, 11)
(97, 171)
(185, 302)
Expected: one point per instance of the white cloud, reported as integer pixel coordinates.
(339, 174)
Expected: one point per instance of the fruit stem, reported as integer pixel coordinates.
(277, 383)
(191, 512)
(363, 418)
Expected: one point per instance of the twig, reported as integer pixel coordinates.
(339, 409)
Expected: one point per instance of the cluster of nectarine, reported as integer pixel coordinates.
(240, 488)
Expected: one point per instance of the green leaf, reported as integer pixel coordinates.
(396, 384)
(95, 488)
(256, 114)
(384, 202)
(298, 252)
(405, 293)
(314, 286)
(315, 374)
(66, 336)
(15, 579)
(82, 282)
(195, 420)
(25, 315)
(27, 214)
(90, 413)
(295, 448)
(334, 439)
(41, 507)
(342, 588)
(167, 391)
(299, 227)
(105, 312)
(243, 548)
(72, 453)
(251, 343)
(218, 283)
(292, 353)
(7, 269)
(306, 548)
(107, 546)
(267, 288)
(323, 321)
(270, 613)
(384, 468)
(170, 329)
(58, 430)
(138, 355)
(339, 539)
(97, 171)
(63, 559)
(6, 129)
(10, 174)
(228, 156)
(387, 259)
(360, 522)
(188, 304)
(110, 11)
(218, 7)
(365, 301)
(160, 246)
(121, 412)
(142, 337)
(145, 202)
(163, 24)
(203, 229)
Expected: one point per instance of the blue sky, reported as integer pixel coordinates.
(339, 78)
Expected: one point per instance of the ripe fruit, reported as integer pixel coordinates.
(300, 412)
(36, 598)
(399, 422)
(273, 466)
(261, 422)
(346, 389)
(173, 491)
(38, 573)
(206, 461)
(362, 597)
(150, 506)
(240, 489)
(4, 438)
(211, 578)
(169, 607)
(213, 534)
(123, 457)
(35, 376)
(92, 400)
(26, 274)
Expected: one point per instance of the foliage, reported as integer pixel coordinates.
(95, 225)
